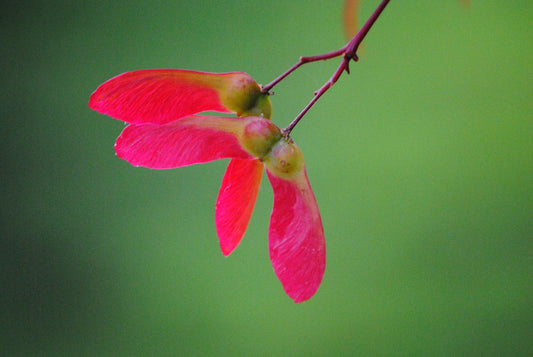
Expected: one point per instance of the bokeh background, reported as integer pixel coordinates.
(421, 161)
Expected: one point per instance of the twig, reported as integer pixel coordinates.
(349, 52)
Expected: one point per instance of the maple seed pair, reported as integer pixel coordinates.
(165, 131)
(264, 140)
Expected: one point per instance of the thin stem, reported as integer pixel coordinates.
(302, 61)
(353, 45)
(318, 94)
(350, 53)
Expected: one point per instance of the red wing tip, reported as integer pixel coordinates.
(94, 102)
(226, 252)
(302, 296)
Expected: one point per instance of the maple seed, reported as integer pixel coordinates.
(260, 136)
(285, 159)
(243, 95)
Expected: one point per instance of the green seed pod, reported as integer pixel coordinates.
(243, 95)
(259, 136)
(285, 159)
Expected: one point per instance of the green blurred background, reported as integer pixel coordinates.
(421, 161)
